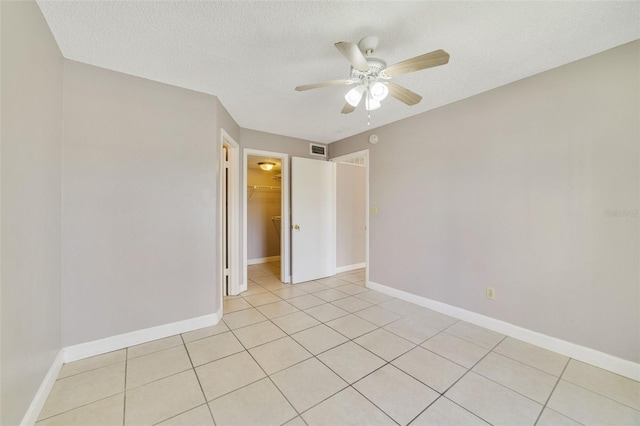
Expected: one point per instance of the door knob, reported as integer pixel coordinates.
(296, 227)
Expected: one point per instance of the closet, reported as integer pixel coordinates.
(264, 216)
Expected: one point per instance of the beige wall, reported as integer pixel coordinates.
(31, 137)
(510, 189)
(140, 229)
(351, 210)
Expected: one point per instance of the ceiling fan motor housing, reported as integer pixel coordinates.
(376, 66)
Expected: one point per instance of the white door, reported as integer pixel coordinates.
(312, 219)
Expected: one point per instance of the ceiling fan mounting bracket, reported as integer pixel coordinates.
(368, 45)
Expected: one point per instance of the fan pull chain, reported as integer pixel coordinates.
(369, 118)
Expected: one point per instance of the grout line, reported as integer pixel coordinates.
(124, 404)
(197, 378)
(551, 393)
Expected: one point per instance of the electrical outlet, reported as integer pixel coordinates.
(491, 293)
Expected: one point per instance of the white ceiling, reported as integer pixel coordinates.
(251, 54)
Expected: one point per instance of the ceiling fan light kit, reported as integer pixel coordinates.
(371, 75)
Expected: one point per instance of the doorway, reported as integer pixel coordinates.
(266, 214)
(352, 212)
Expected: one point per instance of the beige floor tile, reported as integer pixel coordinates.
(330, 295)
(525, 380)
(346, 408)
(277, 309)
(258, 334)
(475, 334)
(92, 363)
(213, 348)
(267, 280)
(384, 344)
(378, 316)
(279, 354)
(351, 289)
(228, 374)
(84, 388)
(351, 326)
(243, 318)
(319, 338)
(235, 305)
(553, 418)
(307, 383)
(252, 289)
(431, 369)
(311, 287)
(332, 282)
(257, 404)
(374, 297)
(535, 356)
(351, 304)
(588, 407)
(611, 385)
(289, 292)
(199, 416)
(108, 411)
(350, 361)
(326, 312)
(148, 368)
(412, 329)
(400, 306)
(397, 394)
(492, 402)
(433, 319)
(154, 346)
(201, 333)
(276, 285)
(455, 349)
(306, 302)
(443, 412)
(353, 276)
(295, 322)
(296, 421)
(162, 399)
(262, 299)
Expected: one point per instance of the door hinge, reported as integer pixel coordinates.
(226, 272)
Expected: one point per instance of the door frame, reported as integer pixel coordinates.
(285, 248)
(364, 153)
(233, 234)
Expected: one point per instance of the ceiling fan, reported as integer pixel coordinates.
(371, 75)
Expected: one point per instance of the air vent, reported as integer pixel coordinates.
(319, 150)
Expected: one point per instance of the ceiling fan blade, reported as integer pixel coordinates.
(403, 94)
(324, 84)
(352, 52)
(348, 108)
(428, 60)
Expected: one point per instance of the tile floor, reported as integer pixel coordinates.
(331, 352)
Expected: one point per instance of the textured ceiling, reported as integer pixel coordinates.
(251, 54)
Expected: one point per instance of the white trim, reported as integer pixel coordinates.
(591, 356)
(347, 268)
(108, 344)
(285, 239)
(33, 412)
(235, 283)
(261, 260)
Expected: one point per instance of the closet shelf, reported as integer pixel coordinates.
(262, 188)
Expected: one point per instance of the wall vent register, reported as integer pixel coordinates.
(319, 150)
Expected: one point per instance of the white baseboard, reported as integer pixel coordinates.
(108, 344)
(347, 268)
(581, 353)
(42, 394)
(260, 260)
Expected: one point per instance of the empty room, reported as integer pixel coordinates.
(319, 213)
